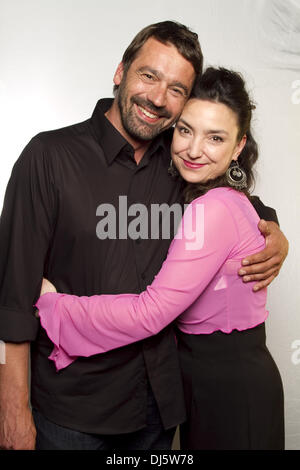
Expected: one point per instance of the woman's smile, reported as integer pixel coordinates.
(193, 166)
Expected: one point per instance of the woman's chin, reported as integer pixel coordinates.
(192, 178)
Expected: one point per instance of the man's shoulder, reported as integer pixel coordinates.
(52, 144)
(61, 135)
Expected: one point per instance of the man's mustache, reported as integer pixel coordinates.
(160, 110)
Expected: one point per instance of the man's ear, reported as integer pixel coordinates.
(119, 74)
(239, 148)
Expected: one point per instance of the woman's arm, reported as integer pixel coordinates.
(83, 326)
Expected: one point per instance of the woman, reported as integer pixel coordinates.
(233, 389)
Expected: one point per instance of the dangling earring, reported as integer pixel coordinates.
(236, 176)
(172, 170)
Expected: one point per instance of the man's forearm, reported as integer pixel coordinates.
(17, 429)
(14, 387)
(14, 374)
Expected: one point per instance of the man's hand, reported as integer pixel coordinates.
(17, 429)
(265, 265)
(47, 286)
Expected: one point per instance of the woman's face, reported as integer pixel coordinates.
(205, 140)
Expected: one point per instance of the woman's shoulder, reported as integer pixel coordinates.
(223, 195)
(227, 203)
(216, 208)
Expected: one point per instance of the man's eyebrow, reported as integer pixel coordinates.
(159, 75)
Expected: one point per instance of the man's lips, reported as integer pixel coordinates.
(193, 165)
(149, 115)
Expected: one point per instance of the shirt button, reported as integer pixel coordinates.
(143, 276)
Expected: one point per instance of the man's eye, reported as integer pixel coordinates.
(148, 76)
(177, 91)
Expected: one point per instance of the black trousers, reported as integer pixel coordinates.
(233, 392)
(51, 436)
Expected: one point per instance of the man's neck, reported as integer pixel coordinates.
(140, 147)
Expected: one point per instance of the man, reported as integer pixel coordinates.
(130, 398)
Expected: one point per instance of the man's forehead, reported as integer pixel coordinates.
(149, 44)
(163, 58)
(154, 48)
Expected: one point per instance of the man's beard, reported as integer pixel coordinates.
(138, 130)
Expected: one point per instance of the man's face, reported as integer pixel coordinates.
(152, 93)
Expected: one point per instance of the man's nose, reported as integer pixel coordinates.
(158, 95)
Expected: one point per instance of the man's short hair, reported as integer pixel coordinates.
(167, 32)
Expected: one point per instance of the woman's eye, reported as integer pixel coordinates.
(216, 138)
(183, 130)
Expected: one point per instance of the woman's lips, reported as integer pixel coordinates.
(193, 165)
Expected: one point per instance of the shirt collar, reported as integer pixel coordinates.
(111, 141)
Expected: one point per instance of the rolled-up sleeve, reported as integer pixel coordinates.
(264, 212)
(26, 228)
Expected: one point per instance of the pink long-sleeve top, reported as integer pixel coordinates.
(198, 284)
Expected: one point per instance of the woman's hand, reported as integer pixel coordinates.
(47, 287)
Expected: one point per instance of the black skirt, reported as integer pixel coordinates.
(233, 392)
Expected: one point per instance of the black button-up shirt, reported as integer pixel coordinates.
(48, 228)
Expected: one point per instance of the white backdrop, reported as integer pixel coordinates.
(57, 58)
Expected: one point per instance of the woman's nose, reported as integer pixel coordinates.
(195, 149)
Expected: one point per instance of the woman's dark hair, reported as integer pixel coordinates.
(220, 85)
(167, 32)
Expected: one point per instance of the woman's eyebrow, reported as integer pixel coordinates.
(184, 122)
(216, 131)
(208, 131)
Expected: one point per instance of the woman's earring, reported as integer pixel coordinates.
(236, 176)
(172, 170)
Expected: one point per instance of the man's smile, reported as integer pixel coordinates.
(147, 115)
